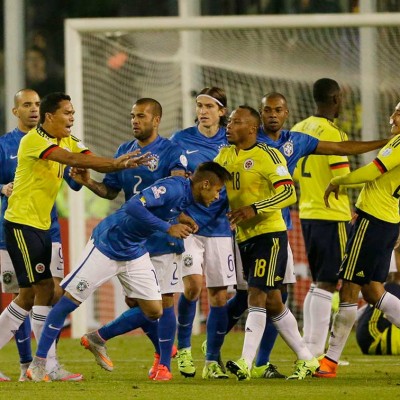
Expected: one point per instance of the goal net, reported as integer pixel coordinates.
(112, 62)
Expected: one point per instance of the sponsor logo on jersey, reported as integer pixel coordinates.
(387, 152)
(282, 170)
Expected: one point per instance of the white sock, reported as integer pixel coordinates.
(390, 306)
(320, 310)
(51, 360)
(286, 324)
(39, 315)
(255, 325)
(307, 314)
(10, 320)
(343, 322)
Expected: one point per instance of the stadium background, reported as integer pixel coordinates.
(116, 59)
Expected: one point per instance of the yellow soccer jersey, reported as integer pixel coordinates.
(259, 178)
(314, 173)
(380, 197)
(38, 180)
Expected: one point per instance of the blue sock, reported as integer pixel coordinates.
(268, 340)
(166, 334)
(130, 320)
(237, 305)
(23, 341)
(53, 324)
(186, 313)
(217, 322)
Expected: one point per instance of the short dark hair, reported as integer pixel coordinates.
(253, 112)
(324, 89)
(220, 95)
(274, 95)
(212, 171)
(157, 109)
(51, 103)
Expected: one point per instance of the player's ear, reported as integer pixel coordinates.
(15, 111)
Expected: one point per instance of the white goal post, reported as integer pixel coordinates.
(109, 61)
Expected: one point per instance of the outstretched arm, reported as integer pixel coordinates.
(100, 164)
(364, 174)
(82, 176)
(348, 147)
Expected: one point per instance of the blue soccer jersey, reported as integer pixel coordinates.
(212, 221)
(293, 145)
(166, 158)
(122, 236)
(9, 144)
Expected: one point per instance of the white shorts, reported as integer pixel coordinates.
(290, 275)
(137, 277)
(9, 282)
(169, 272)
(393, 265)
(211, 256)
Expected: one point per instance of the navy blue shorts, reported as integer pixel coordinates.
(30, 252)
(325, 243)
(264, 259)
(368, 250)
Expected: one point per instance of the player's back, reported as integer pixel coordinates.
(316, 171)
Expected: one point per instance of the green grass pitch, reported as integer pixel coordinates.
(366, 377)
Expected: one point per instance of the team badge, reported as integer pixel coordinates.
(288, 148)
(158, 191)
(387, 152)
(187, 261)
(39, 268)
(282, 170)
(153, 164)
(7, 277)
(82, 285)
(248, 164)
(183, 160)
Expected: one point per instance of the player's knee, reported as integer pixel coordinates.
(154, 313)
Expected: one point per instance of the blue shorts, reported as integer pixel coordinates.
(30, 252)
(325, 243)
(368, 250)
(264, 259)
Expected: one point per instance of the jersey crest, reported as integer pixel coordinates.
(288, 148)
(248, 164)
(153, 165)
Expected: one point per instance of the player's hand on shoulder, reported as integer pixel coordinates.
(189, 221)
(180, 231)
(241, 214)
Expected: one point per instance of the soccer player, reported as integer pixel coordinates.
(324, 230)
(366, 262)
(293, 145)
(118, 248)
(165, 250)
(375, 334)
(43, 153)
(261, 186)
(26, 110)
(210, 250)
